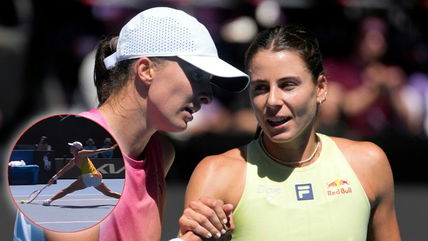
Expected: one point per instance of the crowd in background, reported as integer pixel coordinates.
(375, 52)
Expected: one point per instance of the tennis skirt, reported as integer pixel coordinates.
(91, 180)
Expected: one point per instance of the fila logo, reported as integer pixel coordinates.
(304, 192)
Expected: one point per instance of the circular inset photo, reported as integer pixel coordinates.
(66, 173)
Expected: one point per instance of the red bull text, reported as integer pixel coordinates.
(338, 187)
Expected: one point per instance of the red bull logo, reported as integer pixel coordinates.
(338, 187)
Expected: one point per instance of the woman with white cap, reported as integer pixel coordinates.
(89, 175)
(153, 77)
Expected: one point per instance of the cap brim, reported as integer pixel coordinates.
(228, 77)
(70, 144)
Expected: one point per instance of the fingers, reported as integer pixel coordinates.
(189, 236)
(190, 221)
(228, 209)
(206, 217)
(213, 210)
(221, 210)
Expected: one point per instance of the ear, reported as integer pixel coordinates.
(144, 70)
(322, 84)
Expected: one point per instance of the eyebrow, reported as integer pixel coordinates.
(287, 78)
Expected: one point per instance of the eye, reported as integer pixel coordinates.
(259, 88)
(288, 84)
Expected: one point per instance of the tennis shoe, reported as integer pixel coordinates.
(47, 202)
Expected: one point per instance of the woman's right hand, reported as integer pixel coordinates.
(207, 217)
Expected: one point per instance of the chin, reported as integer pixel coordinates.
(279, 137)
(176, 127)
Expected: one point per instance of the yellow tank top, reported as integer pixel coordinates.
(323, 201)
(87, 167)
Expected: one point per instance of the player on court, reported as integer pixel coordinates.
(89, 175)
(290, 182)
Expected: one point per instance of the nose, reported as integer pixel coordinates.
(274, 97)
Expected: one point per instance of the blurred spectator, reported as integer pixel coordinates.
(107, 143)
(43, 157)
(416, 100)
(44, 149)
(43, 144)
(366, 90)
(90, 145)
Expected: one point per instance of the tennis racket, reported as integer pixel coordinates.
(36, 193)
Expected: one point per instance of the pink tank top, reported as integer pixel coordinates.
(138, 214)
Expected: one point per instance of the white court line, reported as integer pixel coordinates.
(68, 222)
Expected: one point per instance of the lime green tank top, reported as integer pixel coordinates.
(87, 167)
(323, 201)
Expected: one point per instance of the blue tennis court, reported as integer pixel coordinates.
(74, 212)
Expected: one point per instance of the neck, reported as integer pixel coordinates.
(295, 153)
(126, 117)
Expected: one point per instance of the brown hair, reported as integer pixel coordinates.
(289, 37)
(109, 81)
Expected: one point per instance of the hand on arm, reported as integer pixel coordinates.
(207, 217)
(209, 188)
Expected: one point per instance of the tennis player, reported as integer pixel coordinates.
(292, 183)
(89, 175)
(150, 79)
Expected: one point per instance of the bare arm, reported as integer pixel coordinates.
(383, 224)
(92, 152)
(90, 234)
(63, 170)
(208, 190)
(374, 172)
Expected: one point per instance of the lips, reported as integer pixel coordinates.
(277, 121)
(190, 110)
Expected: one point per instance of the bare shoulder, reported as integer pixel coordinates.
(219, 176)
(370, 164)
(361, 152)
(224, 163)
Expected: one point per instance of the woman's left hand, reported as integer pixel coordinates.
(208, 218)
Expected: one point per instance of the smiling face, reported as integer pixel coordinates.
(177, 91)
(284, 94)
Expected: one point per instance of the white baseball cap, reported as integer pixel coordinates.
(76, 144)
(167, 32)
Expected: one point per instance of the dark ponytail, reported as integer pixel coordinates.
(109, 81)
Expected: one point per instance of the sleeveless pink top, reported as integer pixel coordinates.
(138, 214)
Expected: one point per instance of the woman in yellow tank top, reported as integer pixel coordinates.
(89, 175)
(292, 183)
